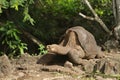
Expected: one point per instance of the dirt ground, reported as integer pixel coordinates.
(28, 68)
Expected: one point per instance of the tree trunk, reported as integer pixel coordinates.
(96, 17)
(116, 12)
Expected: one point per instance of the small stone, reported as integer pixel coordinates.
(68, 64)
(5, 65)
(89, 66)
(99, 78)
(108, 66)
(20, 74)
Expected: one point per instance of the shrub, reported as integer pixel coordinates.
(11, 42)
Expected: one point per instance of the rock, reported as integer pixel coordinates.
(59, 69)
(25, 59)
(101, 78)
(21, 74)
(108, 66)
(111, 45)
(89, 66)
(5, 66)
(68, 64)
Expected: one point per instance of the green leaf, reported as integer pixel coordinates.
(16, 36)
(2, 29)
(31, 1)
(4, 4)
(16, 3)
(27, 17)
(0, 10)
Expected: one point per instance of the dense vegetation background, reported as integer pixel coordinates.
(23, 21)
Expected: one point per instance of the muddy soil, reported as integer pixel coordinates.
(28, 67)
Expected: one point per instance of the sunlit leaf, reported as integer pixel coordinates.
(0, 10)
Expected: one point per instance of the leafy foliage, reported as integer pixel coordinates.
(42, 49)
(3, 4)
(10, 39)
(15, 4)
(27, 17)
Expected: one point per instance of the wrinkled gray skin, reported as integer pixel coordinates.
(78, 44)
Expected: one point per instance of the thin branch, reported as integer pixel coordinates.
(34, 39)
(90, 7)
(87, 17)
(30, 36)
(96, 17)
